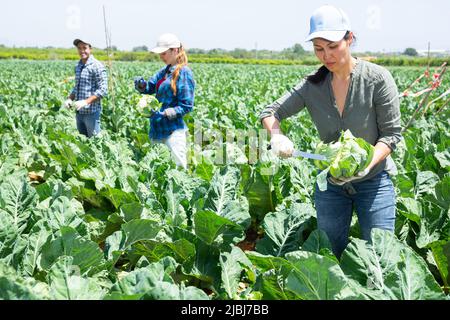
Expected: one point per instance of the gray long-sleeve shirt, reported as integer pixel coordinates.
(371, 111)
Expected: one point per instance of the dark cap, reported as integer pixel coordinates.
(76, 42)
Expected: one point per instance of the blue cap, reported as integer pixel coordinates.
(329, 23)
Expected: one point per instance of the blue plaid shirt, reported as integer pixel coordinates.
(91, 79)
(183, 102)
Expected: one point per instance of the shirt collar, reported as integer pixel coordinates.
(357, 67)
(172, 68)
(89, 61)
(355, 71)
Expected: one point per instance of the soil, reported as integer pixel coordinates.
(249, 243)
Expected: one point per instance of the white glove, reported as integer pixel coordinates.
(170, 113)
(142, 102)
(80, 104)
(281, 145)
(342, 180)
(68, 103)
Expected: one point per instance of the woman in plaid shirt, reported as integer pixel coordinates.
(91, 85)
(174, 87)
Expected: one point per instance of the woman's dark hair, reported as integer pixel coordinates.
(323, 71)
(319, 76)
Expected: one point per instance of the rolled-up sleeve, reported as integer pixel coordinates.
(387, 106)
(289, 104)
(101, 77)
(185, 92)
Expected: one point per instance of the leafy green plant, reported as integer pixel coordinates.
(345, 157)
(112, 218)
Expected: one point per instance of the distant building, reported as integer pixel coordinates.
(434, 53)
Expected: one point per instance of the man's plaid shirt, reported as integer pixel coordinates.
(91, 79)
(183, 102)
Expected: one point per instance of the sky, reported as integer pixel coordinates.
(379, 25)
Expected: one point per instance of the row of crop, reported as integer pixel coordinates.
(71, 54)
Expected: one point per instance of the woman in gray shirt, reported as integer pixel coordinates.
(345, 93)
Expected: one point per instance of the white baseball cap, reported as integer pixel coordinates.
(166, 42)
(329, 23)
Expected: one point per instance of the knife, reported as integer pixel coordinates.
(298, 153)
(314, 156)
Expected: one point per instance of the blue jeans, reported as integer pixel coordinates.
(89, 124)
(373, 199)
